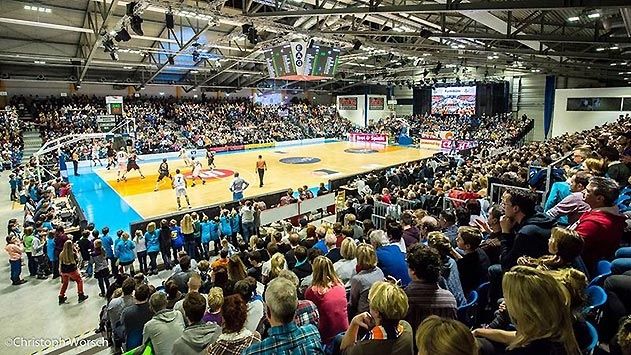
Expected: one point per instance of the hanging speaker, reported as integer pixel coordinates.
(170, 21)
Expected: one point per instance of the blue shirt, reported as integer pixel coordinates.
(125, 251)
(391, 261)
(108, 244)
(289, 339)
(153, 241)
(226, 228)
(322, 246)
(558, 192)
(50, 249)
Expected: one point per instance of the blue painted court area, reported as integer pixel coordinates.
(100, 203)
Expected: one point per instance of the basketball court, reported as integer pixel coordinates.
(288, 167)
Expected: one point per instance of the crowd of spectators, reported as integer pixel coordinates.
(11, 141)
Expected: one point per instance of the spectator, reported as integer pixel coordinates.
(389, 257)
(331, 244)
(181, 278)
(306, 312)
(246, 288)
(346, 267)
(450, 278)
(302, 268)
(424, 296)
(115, 308)
(328, 294)
(602, 227)
(215, 301)
(474, 264)
(69, 271)
(388, 333)
(15, 249)
(564, 247)
(198, 335)
(570, 208)
(368, 273)
(448, 225)
(284, 336)
(194, 284)
(134, 317)
(411, 234)
(235, 338)
(166, 326)
(443, 336)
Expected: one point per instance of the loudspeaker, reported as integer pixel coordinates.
(245, 28)
(170, 21)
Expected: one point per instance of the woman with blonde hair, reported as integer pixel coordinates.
(367, 274)
(69, 271)
(277, 264)
(236, 269)
(443, 336)
(564, 246)
(328, 294)
(188, 231)
(542, 327)
(387, 332)
(346, 267)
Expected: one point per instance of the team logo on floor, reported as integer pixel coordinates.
(214, 174)
(300, 160)
(360, 150)
(323, 172)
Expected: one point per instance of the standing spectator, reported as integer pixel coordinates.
(69, 271)
(108, 245)
(247, 220)
(125, 251)
(101, 269)
(387, 333)
(38, 254)
(198, 335)
(235, 338)
(27, 240)
(15, 249)
(152, 240)
(328, 294)
(602, 227)
(166, 326)
(165, 244)
(368, 273)
(284, 336)
(53, 258)
(188, 231)
(424, 296)
(140, 244)
(134, 317)
(390, 259)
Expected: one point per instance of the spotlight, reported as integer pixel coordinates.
(122, 35)
(245, 28)
(108, 44)
(130, 8)
(136, 25)
(114, 55)
(253, 36)
(169, 20)
(357, 44)
(171, 60)
(425, 72)
(425, 33)
(196, 56)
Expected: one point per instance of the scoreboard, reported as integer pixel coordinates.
(298, 61)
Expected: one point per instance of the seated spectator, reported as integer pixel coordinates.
(256, 271)
(390, 259)
(136, 316)
(198, 335)
(564, 247)
(570, 208)
(180, 278)
(246, 288)
(428, 224)
(173, 294)
(443, 336)
(450, 278)
(447, 222)
(215, 301)
(194, 284)
(474, 264)
(285, 336)
(290, 256)
(321, 243)
(166, 326)
(334, 252)
(234, 338)
(387, 333)
(350, 220)
(411, 234)
(424, 295)
(306, 312)
(328, 294)
(602, 227)
(615, 169)
(368, 273)
(346, 267)
(302, 268)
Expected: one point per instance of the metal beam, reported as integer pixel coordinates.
(95, 43)
(179, 51)
(490, 36)
(451, 8)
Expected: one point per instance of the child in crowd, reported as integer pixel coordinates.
(473, 266)
(28, 249)
(38, 254)
(228, 248)
(215, 301)
(564, 246)
(222, 261)
(101, 269)
(15, 249)
(177, 238)
(53, 261)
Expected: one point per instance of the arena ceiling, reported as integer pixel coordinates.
(400, 41)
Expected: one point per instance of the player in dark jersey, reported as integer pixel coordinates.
(132, 165)
(111, 154)
(210, 155)
(163, 171)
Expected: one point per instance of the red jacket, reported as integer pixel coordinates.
(601, 230)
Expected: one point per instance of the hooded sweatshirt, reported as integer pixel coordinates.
(164, 329)
(196, 338)
(601, 229)
(530, 238)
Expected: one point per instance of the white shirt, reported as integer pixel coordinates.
(179, 182)
(121, 156)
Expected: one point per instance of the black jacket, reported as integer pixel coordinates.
(165, 238)
(529, 238)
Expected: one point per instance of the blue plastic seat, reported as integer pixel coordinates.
(467, 313)
(593, 334)
(603, 270)
(596, 298)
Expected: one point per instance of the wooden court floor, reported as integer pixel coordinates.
(334, 161)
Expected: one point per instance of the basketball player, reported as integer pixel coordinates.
(132, 165)
(210, 155)
(163, 171)
(185, 157)
(111, 154)
(237, 186)
(179, 184)
(197, 170)
(261, 167)
(121, 158)
(95, 153)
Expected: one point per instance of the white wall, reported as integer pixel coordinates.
(528, 99)
(378, 115)
(574, 121)
(355, 116)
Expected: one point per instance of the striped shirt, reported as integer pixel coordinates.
(289, 339)
(426, 299)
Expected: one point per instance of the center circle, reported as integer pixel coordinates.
(300, 160)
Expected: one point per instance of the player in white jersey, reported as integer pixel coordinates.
(96, 147)
(185, 157)
(197, 170)
(121, 158)
(179, 184)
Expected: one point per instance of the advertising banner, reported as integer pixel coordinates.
(368, 138)
(347, 103)
(376, 103)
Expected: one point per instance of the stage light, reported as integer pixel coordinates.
(122, 35)
(357, 44)
(136, 25)
(573, 18)
(130, 8)
(196, 56)
(169, 20)
(600, 49)
(425, 33)
(114, 55)
(593, 15)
